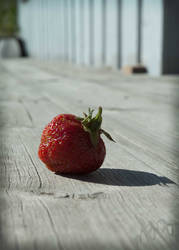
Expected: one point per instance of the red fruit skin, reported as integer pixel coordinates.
(66, 147)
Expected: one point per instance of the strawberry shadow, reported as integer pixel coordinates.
(121, 177)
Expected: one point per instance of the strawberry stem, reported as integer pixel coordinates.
(92, 125)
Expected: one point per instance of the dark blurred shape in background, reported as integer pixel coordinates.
(11, 45)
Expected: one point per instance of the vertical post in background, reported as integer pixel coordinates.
(112, 33)
(69, 30)
(32, 41)
(41, 29)
(48, 28)
(77, 31)
(39, 26)
(139, 30)
(31, 20)
(61, 30)
(91, 30)
(82, 33)
(86, 32)
(104, 31)
(55, 42)
(66, 39)
(152, 35)
(36, 33)
(129, 32)
(56, 17)
(55, 30)
(44, 21)
(119, 36)
(98, 33)
(73, 31)
(170, 43)
(44, 31)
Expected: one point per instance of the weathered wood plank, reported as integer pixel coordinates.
(127, 203)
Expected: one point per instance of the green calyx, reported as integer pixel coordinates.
(92, 125)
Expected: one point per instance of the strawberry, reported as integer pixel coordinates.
(70, 144)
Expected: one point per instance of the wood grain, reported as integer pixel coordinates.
(131, 202)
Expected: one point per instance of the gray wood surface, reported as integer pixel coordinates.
(131, 202)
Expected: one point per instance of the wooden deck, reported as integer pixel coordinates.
(131, 202)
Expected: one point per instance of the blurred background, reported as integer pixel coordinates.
(120, 34)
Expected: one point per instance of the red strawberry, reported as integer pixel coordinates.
(73, 145)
